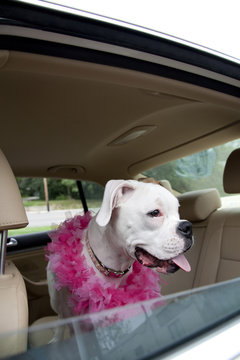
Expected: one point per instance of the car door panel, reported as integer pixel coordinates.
(32, 263)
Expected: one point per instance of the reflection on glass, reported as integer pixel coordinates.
(139, 331)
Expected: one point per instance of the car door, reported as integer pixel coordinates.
(27, 247)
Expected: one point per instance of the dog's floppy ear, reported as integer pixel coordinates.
(115, 191)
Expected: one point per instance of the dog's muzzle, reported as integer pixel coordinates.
(184, 229)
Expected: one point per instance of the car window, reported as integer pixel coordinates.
(146, 330)
(48, 202)
(201, 170)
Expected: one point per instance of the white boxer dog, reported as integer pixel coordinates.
(136, 221)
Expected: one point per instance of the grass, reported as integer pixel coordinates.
(28, 230)
(61, 204)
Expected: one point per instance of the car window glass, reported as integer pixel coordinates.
(48, 202)
(199, 171)
(146, 330)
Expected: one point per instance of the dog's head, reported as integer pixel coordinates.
(144, 218)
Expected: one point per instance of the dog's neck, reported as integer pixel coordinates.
(104, 248)
(103, 268)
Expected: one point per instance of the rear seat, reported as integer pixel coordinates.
(197, 207)
(215, 255)
(220, 258)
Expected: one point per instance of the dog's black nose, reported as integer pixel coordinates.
(185, 228)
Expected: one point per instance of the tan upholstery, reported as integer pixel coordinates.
(215, 255)
(231, 175)
(12, 212)
(14, 306)
(164, 183)
(40, 335)
(13, 312)
(198, 207)
(220, 258)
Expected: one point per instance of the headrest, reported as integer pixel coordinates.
(198, 205)
(231, 175)
(12, 212)
(164, 183)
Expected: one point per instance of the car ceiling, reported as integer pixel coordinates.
(71, 87)
(60, 117)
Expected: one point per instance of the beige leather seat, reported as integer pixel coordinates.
(221, 254)
(199, 208)
(215, 255)
(13, 296)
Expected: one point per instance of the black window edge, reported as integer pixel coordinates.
(42, 47)
(17, 13)
(30, 241)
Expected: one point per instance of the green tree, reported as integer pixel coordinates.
(58, 188)
(31, 187)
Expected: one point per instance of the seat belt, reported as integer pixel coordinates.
(82, 196)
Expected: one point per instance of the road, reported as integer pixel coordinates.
(51, 218)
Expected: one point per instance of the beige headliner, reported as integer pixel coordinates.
(58, 117)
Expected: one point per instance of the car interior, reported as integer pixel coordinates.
(76, 119)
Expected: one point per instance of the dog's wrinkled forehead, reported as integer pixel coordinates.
(154, 193)
(118, 192)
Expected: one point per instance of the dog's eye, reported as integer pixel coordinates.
(154, 213)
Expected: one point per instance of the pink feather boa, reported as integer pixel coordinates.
(88, 292)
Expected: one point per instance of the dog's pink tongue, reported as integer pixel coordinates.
(182, 262)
